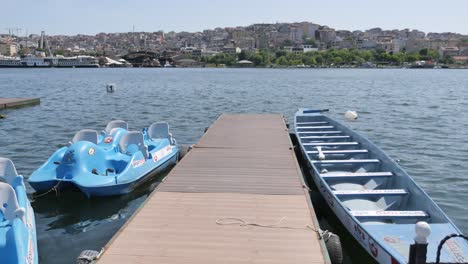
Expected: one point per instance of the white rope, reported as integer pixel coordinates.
(55, 188)
(241, 222)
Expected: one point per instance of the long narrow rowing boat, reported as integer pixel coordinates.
(374, 198)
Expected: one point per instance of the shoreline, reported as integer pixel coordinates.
(256, 67)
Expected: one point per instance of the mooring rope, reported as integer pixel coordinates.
(55, 188)
(241, 222)
(442, 242)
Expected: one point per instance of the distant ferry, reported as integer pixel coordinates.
(41, 62)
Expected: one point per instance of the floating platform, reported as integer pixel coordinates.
(243, 170)
(18, 102)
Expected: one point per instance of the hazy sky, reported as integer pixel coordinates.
(70, 17)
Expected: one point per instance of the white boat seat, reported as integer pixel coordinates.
(325, 137)
(312, 123)
(367, 192)
(347, 186)
(132, 142)
(7, 171)
(160, 130)
(370, 185)
(315, 127)
(333, 144)
(86, 135)
(320, 132)
(389, 214)
(341, 151)
(348, 161)
(355, 175)
(364, 204)
(115, 124)
(369, 203)
(9, 203)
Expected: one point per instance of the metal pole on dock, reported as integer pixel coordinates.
(418, 250)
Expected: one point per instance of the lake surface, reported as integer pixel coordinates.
(419, 117)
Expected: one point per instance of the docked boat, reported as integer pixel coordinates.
(9, 62)
(39, 60)
(374, 198)
(18, 244)
(81, 61)
(110, 163)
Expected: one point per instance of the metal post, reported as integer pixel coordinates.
(418, 250)
(418, 253)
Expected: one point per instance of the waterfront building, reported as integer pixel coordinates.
(460, 59)
(325, 35)
(448, 51)
(208, 53)
(463, 49)
(388, 44)
(233, 51)
(296, 34)
(8, 49)
(309, 29)
(309, 48)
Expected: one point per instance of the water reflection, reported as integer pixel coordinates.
(70, 223)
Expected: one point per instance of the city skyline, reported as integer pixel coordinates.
(71, 17)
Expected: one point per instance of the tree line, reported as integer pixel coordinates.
(331, 57)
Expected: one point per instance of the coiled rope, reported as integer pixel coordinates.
(442, 242)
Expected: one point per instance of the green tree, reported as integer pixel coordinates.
(283, 61)
(337, 60)
(433, 54)
(280, 53)
(243, 55)
(309, 60)
(413, 57)
(366, 55)
(319, 59)
(423, 52)
(448, 60)
(257, 59)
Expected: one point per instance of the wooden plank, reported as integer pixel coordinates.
(225, 170)
(17, 102)
(243, 167)
(176, 227)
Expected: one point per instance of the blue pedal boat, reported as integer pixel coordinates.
(18, 242)
(374, 198)
(111, 163)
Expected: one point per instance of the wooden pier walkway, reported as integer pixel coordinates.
(17, 102)
(244, 167)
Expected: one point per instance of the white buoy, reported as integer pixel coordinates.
(110, 88)
(351, 115)
(423, 230)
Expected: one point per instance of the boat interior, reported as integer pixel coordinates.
(362, 177)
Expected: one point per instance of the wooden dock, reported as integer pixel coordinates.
(243, 168)
(18, 102)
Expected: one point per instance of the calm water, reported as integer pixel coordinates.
(418, 116)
